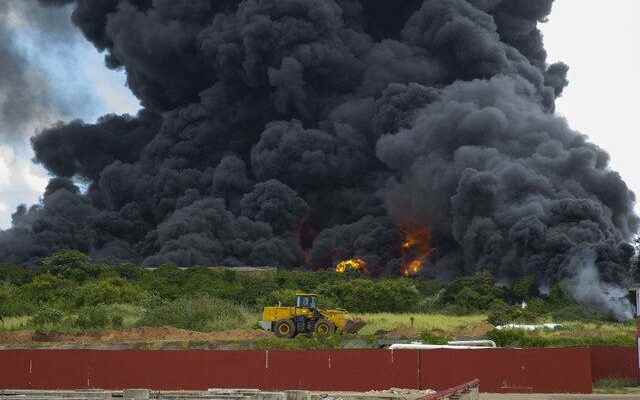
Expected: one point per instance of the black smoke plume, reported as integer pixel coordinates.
(304, 132)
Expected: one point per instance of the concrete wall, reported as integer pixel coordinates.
(499, 370)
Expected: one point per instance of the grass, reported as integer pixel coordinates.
(130, 314)
(571, 334)
(300, 342)
(597, 329)
(616, 386)
(14, 323)
(211, 314)
(448, 324)
(204, 314)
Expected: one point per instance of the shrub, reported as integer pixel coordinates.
(502, 314)
(520, 338)
(117, 321)
(434, 336)
(44, 289)
(199, 314)
(499, 314)
(93, 317)
(471, 294)
(575, 312)
(525, 288)
(15, 307)
(558, 297)
(108, 291)
(615, 384)
(69, 264)
(365, 295)
(284, 297)
(507, 337)
(16, 275)
(47, 316)
(129, 272)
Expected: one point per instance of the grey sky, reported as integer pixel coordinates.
(72, 82)
(601, 44)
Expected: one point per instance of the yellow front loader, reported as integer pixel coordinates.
(306, 317)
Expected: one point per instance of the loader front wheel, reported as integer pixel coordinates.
(324, 328)
(285, 329)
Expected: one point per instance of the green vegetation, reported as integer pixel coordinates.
(68, 293)
(198, 314)
(300, 342)
(572, 335)
(447, 324)
(616, 386)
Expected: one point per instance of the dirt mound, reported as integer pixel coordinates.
(134, 335)
(402, 332)
(475, 331)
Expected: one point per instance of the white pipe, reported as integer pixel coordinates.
(478, 343)
(420, 346)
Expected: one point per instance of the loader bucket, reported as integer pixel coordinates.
(354, 325)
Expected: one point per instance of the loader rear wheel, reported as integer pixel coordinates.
(324, 328)
(285, 329)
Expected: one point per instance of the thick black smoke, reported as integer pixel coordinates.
(304, 132)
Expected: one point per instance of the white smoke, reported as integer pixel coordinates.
(587, 288)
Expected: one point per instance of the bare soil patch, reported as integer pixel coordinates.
(135, 335)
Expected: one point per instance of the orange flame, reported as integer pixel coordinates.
(354, 264)
(413, 268)
(415, 249)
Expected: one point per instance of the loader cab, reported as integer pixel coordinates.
(306, 301)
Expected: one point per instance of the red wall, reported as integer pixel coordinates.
(510, 370)
(499, 370)
(614, 362)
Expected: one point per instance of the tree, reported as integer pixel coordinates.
(71, 264)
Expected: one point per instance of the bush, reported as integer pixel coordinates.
(434, 336)
(284, 297)
(502, 314)
(524, 289)
(44, 289)
(129, 272)
(11, 305)
(93, 317)
(365, 295)
(16, 275)
(472, 294)
(575, 312)
(198, 314)
(69, 264)
(521, 338)
(108, 291)
(117, 321)
(47, 316)
(614, 384)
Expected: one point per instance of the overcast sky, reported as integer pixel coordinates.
(600, 43)
(69, 69)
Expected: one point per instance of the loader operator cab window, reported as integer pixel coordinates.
(306, 302)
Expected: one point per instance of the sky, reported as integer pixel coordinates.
(72, 83)
(600, 44)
